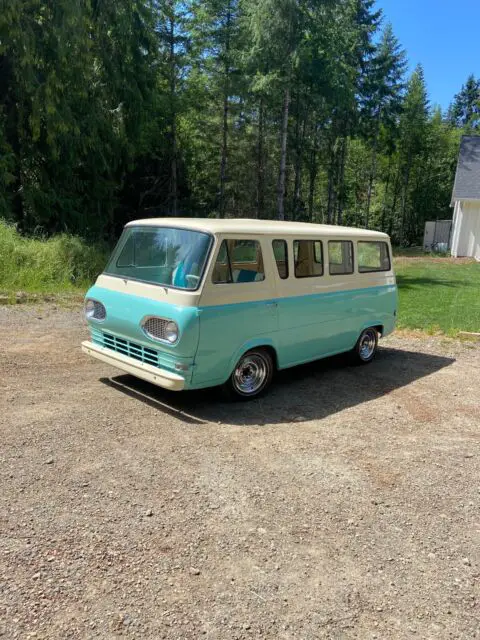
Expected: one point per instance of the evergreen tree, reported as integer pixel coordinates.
(173, 29)
(119, 109)
(358, 22)
(217, 29)
(465, 109)
(275, 31)
(413, 129)
(382, 98)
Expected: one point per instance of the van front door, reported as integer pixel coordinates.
(238, 308)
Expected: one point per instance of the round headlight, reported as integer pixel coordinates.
(171, 332)
(94, 310)
(89, 309)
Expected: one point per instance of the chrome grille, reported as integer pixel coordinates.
(128, 348)
(99, 311)
(155, 328)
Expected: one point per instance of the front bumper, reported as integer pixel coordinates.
(160, 377)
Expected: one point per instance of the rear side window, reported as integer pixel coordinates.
(280, 253)
(308, 257)
(239, 261)
(244, 251)
(373, 256)
(340, 257)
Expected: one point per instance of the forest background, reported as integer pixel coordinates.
(111, 110)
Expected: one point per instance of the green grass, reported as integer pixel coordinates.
(417, 252)
(60, 265)
(438, 295)
(409, 252)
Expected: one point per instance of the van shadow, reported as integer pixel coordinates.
(407, 282)
(308, 392)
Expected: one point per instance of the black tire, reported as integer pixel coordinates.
(366, 347)
(251, 376)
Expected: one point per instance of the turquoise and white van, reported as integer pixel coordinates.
(195, 303)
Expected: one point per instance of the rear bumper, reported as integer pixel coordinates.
(160, 377)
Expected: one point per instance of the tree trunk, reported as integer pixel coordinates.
(313, 173)
(223, 161)
(404, 198)
(297, 193)
(173, 123)
(296, 145)
(283, 156)
(394, 203)
(373, 170)
(260, 163)
(331, 185)
(341, 181)
(224, 158)
(385, 197)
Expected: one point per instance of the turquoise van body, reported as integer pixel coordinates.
(219, 322)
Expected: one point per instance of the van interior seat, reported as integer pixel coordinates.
(302, 268)
(246, 275)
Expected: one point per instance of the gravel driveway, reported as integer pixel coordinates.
(345, 504)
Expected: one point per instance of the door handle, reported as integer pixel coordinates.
(271, 304)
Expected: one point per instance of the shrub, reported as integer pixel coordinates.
(63, 262)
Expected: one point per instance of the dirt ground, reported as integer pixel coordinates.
(345, 504)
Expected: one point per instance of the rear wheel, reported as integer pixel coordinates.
(252, 375)
(366, 346)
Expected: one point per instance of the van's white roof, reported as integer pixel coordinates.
(256, 227)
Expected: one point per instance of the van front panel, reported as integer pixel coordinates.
(122, 331)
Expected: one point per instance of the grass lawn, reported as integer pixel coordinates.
(438, 294)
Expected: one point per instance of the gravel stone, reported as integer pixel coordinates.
(351, 512)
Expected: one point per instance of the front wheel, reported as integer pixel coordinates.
(366, 346)
(252, 375)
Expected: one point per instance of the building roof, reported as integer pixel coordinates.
(467, 179)
(257, 227)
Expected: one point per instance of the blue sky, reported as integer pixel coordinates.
(441, 34)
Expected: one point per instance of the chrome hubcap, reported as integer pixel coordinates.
(367, 344)
(250, 374)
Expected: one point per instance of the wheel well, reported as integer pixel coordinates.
(271, 351)
(379, 328)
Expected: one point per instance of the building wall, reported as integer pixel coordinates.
(466, 229)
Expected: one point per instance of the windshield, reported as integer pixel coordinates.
(161, 255)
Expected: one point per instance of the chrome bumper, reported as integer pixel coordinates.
(160, 377)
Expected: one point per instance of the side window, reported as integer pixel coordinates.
(308, 256)
(221, 271)
(223, 254)
(244, 251)
(373, 256)
(340, 257)
(239, 261)
(280, 253)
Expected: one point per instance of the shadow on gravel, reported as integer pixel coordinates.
(308, 392)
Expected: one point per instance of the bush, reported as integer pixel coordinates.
(60, 263)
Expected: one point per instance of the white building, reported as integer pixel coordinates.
(466, 200)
